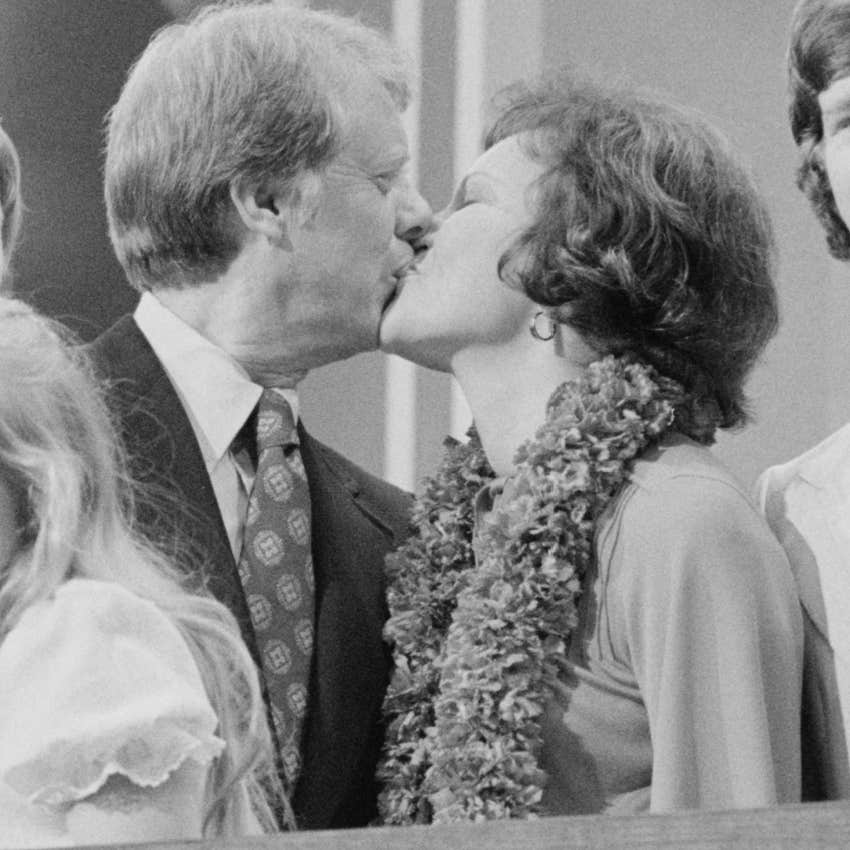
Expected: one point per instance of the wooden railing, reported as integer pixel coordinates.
(810, 825)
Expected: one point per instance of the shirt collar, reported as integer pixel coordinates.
(216, 391)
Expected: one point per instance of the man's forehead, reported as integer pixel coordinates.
(373, 152)
(373, 131)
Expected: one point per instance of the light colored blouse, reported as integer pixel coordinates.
(682, 684)
(806, 502)
(95, 683)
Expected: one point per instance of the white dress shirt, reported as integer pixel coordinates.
(218, 396)
(807, 503)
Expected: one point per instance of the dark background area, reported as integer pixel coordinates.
(62, 65)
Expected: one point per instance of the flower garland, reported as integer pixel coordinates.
(477, 633)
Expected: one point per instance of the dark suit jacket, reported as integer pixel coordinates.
(356, 520)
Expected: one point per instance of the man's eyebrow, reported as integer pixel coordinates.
(393, 163)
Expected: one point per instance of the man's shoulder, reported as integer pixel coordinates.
(117, 350)
(139, 393)
(392, 503)
(358, 478)
(824, 465)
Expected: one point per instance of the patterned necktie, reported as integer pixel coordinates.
(276, 569)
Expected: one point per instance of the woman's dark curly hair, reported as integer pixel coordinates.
(818, 55)
(649, 239)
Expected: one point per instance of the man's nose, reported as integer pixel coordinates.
(414, 218)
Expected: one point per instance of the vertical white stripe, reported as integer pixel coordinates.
(470, 58)
(470, 40)
(461, 415)
(400, 376)
(400, 422)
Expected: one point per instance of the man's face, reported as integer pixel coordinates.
(349, 256)
(835, 113)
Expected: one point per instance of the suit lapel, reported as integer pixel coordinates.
(166, 460)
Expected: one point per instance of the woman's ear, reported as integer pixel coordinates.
(275, 209)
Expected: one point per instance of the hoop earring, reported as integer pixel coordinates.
(535, 331)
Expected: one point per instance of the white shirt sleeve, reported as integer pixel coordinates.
(98, 683)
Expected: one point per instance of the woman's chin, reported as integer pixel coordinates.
(414, 347)
(398, 330)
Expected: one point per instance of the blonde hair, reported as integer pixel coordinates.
(10, 200)
(61, 460)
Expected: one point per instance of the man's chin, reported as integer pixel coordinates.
(385, 342)
(388, 323)
(392, 295)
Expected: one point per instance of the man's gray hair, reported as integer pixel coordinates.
(249, 91)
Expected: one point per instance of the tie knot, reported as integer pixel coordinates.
(275, 422)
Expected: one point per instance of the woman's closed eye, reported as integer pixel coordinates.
(468, 201)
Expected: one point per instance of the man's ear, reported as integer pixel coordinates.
(262, 208)
(275, 209)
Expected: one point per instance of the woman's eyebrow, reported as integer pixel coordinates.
(460, 191)
(480, 180)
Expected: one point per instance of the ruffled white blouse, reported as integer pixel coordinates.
(94, 682)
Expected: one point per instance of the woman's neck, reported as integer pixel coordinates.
(508, 389)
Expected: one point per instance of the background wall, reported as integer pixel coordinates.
(62, 64)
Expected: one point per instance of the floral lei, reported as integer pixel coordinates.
(476, 638)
